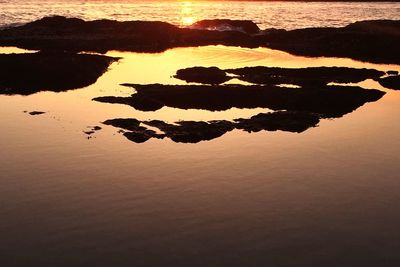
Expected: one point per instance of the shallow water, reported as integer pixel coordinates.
(325, 197)
(267, 14)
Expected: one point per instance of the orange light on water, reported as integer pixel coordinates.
(187, 16)
(188, 20)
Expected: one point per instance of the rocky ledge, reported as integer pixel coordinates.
(313, 76)
(30, 73)
(196, 131)
(328, 101)
(374, 41)
(72, 34)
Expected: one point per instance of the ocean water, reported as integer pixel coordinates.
(267, 14)
(324, 197)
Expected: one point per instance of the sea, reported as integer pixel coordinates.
(267, 14)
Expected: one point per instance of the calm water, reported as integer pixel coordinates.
(286, 15)
(325, 197)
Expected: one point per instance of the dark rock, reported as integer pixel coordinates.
(211, 75)
(192, 131)
(128, 124)
(35, 113)
(197, 131)
(135, 133)
(61, 33)
(92, 130)
(138, 136)
(88, 132)
(313, 76)
(391, 82)
(71, 34)
(139, 102)
(33, 72)
(392, 72)
(245, 26)
(374, 41)
(329, 101)
(280, 120)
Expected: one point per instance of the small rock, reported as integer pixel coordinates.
(34, 113)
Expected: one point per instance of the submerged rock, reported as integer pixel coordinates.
(33, 72)
(197, 131)
(329, 101)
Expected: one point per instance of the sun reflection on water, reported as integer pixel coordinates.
(187, 14)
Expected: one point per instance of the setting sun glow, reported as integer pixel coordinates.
(186, 13)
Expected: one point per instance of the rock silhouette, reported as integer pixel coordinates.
(312, 76)
(197, 131)
(72, 34)
(33, 72)
(211, 75)
(329, 101)
(373, 41)
(391, 82)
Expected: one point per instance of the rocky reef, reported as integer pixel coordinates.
(72, 34)
(313, 76)
(374, 41)
(49, 71)
(197, 131)
(295, 109)
(329, 101)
